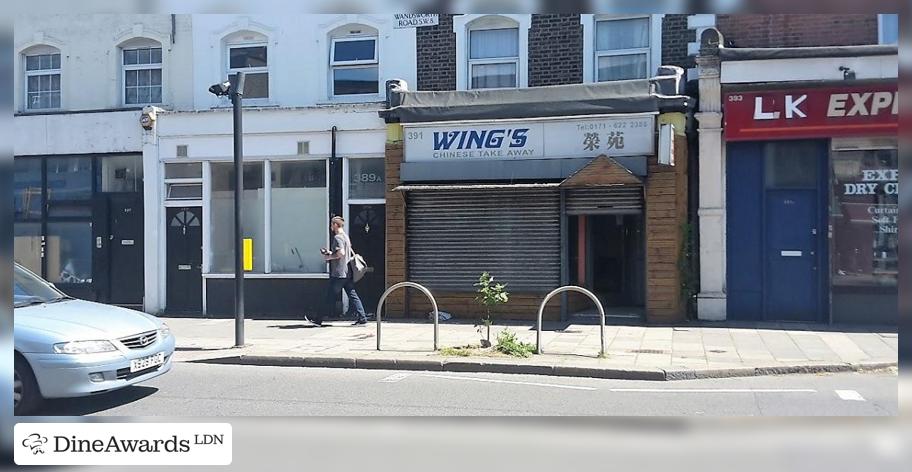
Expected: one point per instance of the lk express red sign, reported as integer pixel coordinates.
(815, 113)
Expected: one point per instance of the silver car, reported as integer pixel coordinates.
(72, 348)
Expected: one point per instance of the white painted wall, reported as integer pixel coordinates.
(712, 299)
(269, 133)
(298, 55)
(298, 51)
(114, 131)
(816, 68)
(91, 60)
(272, 133)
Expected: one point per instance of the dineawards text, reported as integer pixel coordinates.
(114, 445)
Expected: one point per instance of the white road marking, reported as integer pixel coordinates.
(850, 395)
(395, 377)
(534, 384)
(713, 390)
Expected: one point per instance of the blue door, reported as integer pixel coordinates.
(791, 285)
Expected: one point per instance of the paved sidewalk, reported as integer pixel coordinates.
(633, 352)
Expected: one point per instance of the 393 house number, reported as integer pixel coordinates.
(736, 98)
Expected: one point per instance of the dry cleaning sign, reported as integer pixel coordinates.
(871, 182)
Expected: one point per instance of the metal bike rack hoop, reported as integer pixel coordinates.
(412, 285)
(570, 288)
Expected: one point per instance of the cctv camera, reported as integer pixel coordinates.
(220, 89)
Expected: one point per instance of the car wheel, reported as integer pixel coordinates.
(26, 395)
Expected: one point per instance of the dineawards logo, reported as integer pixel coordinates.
(35, 442)
(122, 443)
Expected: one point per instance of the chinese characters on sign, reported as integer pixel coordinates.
(532, 139)
(615, 141)
(591, 141)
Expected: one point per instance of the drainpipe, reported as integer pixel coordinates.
(173, 21)
(564, 255)
(335, 178)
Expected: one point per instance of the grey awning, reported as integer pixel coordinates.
(754, 54)
(626, 96)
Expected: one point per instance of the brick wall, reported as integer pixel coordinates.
(675, 37)
(436, 55)
(395, 230)
(555, 50)
(764, 31)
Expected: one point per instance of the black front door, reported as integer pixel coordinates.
(185, 259)
(125, 245)
(368, 236)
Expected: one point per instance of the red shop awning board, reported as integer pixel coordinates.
(861, 110)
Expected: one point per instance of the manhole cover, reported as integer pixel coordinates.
(647, 351)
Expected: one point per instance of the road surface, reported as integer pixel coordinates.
(192, 389)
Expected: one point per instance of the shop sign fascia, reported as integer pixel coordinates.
(534, 138)
(860, 110)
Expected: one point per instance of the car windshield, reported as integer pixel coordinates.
(29, 289)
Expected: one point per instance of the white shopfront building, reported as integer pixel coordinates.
(313, 147)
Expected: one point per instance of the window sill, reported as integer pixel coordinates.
(344, 99)
(63, 111)
(43, 111)
(268, 276)
(142, 105)
(248, 103)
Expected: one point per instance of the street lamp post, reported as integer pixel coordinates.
(235, 91)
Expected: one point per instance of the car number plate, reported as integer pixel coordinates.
(146, 362)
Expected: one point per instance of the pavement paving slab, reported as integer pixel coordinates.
(634, 352)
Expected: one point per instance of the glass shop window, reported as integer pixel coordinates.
(864, 213)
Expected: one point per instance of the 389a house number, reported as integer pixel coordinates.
(366, 178)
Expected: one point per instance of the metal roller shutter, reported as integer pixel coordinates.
(605, 200)
(455, 235)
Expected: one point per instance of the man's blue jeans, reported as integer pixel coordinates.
(336, 285)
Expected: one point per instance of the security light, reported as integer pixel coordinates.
(221, 89)
(847, 73)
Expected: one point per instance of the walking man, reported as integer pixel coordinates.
(339, 255)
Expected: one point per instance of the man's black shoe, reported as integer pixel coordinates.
(359, 322)
(315, 323)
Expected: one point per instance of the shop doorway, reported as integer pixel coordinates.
(79, 224)
(184, 260)
(791, 262)
(776, 231)
(608, 256)
(368, 236)
(125, 249)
